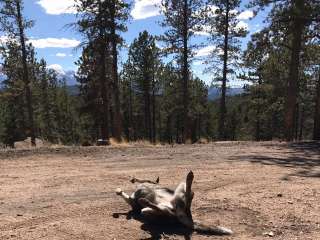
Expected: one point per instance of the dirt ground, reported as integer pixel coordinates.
(267, 190)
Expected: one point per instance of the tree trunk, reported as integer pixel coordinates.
(258, 120)
(223, 110)
(111, 118)
(147, 112)
(46, 116)
(296, 124)
(258, 129)
(26, 78)
(178, 136)
(185, 76)
(104, 93)
(316, 130)
(160, 123)
(301, 125)
(116, 92)
(199, 127)
(130, 112)
(169, 130)
(194, 130)
(153, 110)
(292, 87)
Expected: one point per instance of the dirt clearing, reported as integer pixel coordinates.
(259, 190)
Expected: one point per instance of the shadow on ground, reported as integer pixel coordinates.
(160, 229)
(303, 156)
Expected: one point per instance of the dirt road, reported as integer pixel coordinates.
(259, 190)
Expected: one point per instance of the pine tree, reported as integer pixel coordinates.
(127, 100)
(142, 61)
(92, 74)
(13, 93)
(119, 14)
(14, 25)
(198, 107)
(67, 118)
(100, 22)
(180, 19)
(316, 131)
(47, 109)
(171, 102)
(222, 24)
(94, 90)
(9, 130)
(311, 66)
(255, 60)
(296, 17)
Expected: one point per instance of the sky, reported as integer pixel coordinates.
(57, 43)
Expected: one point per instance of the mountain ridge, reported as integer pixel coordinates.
(214, 93)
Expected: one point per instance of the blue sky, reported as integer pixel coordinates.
(57, 44)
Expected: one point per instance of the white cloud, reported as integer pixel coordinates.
(202, 52)
(245, 15)
(242, 25)
(62, 55)
(204, 30)
(58, 68)
(57, 7)
(3, 40)
(54, 43)
(145, 9)
(48, 43)
(206, 51)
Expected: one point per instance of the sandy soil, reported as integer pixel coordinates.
(253, 188)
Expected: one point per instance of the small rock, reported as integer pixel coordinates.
(269, 234)
(279, 195)
(19, 215)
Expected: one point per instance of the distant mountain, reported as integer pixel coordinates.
(68, 76)
(215, 93)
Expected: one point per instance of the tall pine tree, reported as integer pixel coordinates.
(180, 20)
(222, 24)
(296, 16)
(13, 24)
(100, 22)
(143, 59)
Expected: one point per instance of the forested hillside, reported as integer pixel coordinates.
(154, 94)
